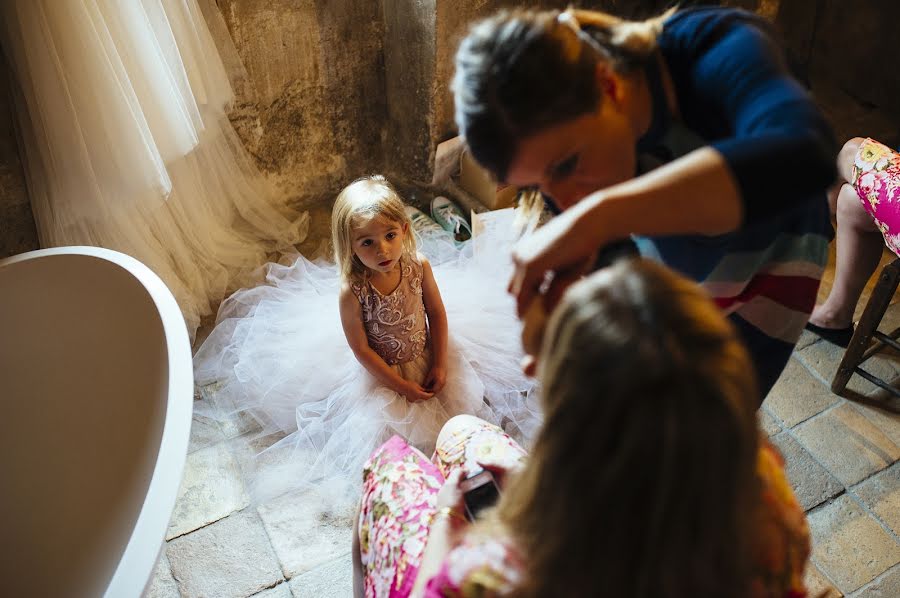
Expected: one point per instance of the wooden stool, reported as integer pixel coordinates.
(858, 351)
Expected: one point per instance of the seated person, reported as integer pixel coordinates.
(866, 203)
(649, 476)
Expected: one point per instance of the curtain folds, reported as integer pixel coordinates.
(126, 144)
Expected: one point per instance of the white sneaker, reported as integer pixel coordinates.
(421, 223)
(450, 218)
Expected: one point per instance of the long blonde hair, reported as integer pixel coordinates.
(357, 204)
(642, 479)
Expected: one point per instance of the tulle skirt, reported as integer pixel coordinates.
(278, 356)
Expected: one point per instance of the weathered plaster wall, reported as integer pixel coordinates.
(327, 90)
(847, 52)
(17, 231)
(312, 109)
(409, 48)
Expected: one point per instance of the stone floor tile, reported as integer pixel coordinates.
(282, 590)
(162, 584)
(230, 558)
(211, 489)
(812, 483)
(334, 579)
(806, 339)
(302, 538)
(823, 358)
(767, 421)
(885, 586)
(887, 422)
(232, 423)
(798, 395)
(849, 545)
(205, 430)
(817, 585)
(881, 494)
(848, 444)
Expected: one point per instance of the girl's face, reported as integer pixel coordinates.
(378, 243)
(573, 159)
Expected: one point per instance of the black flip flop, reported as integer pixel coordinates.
(838, 336)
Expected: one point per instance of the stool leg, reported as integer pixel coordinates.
(868, 323)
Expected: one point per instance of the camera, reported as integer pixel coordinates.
(479, 492)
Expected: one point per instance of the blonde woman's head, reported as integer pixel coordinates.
(642, 478)
(363, 203)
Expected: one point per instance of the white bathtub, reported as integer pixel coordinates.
(96, 392)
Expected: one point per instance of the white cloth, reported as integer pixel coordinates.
(278, 355)
(126, 144)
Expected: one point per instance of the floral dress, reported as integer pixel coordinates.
(400, 489)
(876, 178)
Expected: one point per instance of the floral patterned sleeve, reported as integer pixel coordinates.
(480, 567)
(782, 545)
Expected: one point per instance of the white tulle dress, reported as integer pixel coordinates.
(278, 354)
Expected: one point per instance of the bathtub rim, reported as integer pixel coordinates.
(138, 561)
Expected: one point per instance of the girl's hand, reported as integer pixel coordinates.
(560, 247)
(415, 393)
(436, 379)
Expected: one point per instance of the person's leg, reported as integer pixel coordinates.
(846, 158)
(470, 443)
(356, 557)
(399, 490)
(859, 247)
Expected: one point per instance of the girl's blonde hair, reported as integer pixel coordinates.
(362, 200)
(521, 71)
(642, 479)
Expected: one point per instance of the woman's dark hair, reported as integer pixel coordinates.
(523, 70)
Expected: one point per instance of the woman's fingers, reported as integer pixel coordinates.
(539, 258)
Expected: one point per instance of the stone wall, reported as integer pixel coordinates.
(312, 107)
(17, 231)
(846, 52)
(328, 90)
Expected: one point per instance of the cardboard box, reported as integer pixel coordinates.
(482, 186)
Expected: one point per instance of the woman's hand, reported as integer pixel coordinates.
(450, 496)
(500, 471)
(560, 247)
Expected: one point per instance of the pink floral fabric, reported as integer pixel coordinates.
(876, 178)
(400, 488)
(481, 566)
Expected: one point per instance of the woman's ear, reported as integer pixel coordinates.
(608, 83)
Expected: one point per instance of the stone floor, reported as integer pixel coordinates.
(842, 459)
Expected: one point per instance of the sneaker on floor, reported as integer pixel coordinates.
(450, 218)
(421, 223)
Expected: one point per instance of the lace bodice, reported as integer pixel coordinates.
(395, 323)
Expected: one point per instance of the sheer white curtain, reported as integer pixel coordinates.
(126, 145)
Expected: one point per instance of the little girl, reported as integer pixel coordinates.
(321, 401)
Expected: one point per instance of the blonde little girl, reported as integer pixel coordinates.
(320, 401)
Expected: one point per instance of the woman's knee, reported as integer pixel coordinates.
(847, 156)
(457, 424)
(850, 211)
